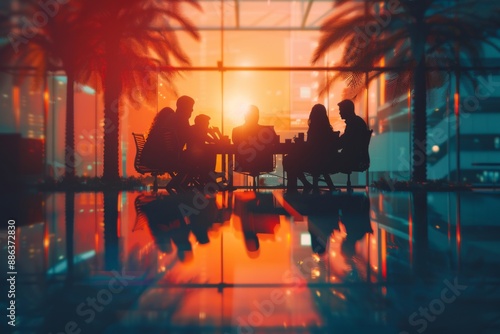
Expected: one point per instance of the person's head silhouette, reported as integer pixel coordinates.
(202, 121)
(252, 115)
(346, 109)
(162, 115)
(185, 106)
(318, 115)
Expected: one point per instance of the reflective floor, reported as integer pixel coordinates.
(256, 262)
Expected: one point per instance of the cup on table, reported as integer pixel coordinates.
(301, 137)
(288, 141)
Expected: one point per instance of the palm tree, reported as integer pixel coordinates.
(419, 41)
(57, 44)
(130, 40)
(119, 42)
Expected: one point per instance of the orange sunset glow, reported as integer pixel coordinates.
(250, 166)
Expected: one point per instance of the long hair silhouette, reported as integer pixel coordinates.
(318, 119)
(160, 119)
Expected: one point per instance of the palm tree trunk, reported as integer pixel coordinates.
(419, 173)
(420, 232)
(111, 122)
(69, 151)
(69, 210)
(420, 124)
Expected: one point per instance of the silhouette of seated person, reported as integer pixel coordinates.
(318, 151)
(180, 120)
(354, 139)
(179, 125)
(253, 141)
(200, 159)
(153, 153)
(174, 127)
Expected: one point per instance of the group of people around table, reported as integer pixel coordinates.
(324, 151)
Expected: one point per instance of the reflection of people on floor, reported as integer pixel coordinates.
(258, 215)
(321, 228)
(203, 220)
(356, 219)
(326, 211)
(168, 217)
(323, 219)
(163, 217)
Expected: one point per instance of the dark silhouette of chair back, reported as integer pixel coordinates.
(141, 168)
(263, 162)
(140, 141)
(364, 159)
(171, 148)
(255, 160)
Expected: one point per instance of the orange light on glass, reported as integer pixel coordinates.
(382, 83)
(119, 227)
(119, 220)
(383, 241)
(46, 243)
(16, 103)
(96, 241)
(457, 103)
(409, 100)
(46, 238)
(46, 97)
(410, 233)
(458, 234)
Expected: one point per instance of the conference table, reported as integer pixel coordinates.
(228, 150)
(277, 148)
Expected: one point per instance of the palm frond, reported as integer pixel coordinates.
(452, 32)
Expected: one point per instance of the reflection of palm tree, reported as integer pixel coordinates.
(130, 39)
(69, 213)
(420, 231)
(417, 34)
(111, 243)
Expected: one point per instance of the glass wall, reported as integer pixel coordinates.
(259, 52)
